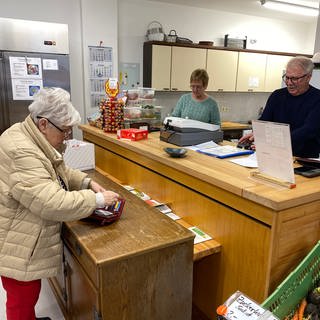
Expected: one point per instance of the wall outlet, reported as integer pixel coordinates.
(224, 109)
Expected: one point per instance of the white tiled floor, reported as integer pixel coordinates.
(47, 305)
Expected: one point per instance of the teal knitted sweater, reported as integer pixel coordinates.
(205, 111)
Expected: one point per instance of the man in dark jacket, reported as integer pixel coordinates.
(298, 104)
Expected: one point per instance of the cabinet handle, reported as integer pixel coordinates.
(250, 90)
(78, 249)
(220, 90)
(174, 89)
(166, 89)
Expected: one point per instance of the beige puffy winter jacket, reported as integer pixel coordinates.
(33, 203)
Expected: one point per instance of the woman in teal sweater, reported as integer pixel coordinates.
(198, 105)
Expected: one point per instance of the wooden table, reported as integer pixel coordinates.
(139, 267)
(264, 230)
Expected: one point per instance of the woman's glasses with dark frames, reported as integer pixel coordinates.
(66, 132)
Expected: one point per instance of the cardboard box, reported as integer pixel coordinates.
(79, 155)
(132, 134)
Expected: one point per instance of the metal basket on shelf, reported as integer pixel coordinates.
(172, 36)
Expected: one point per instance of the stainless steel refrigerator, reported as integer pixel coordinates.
(33, 55)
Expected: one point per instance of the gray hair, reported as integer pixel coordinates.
(303, 62)
(54, 104)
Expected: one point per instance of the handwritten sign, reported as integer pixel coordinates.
(243, 308)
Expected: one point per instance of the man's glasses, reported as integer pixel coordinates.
(66, 132)
(293, 79)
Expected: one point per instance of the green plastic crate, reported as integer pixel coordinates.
(284, 300)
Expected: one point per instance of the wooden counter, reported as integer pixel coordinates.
(139, 267)
(264, 230)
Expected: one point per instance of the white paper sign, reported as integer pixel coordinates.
(243, 309)
(24, 67)
(253, 82)
(50, 64)
(24, 89)
(273, 149)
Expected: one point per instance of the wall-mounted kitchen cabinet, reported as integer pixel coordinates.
(184, 61)
(167, 67)
(251, 72)
(160, 68)
(275, 68)
(222, 70)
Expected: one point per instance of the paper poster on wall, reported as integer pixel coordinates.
(25, 89)
(24, 67)
(26, 77)
(50, 64)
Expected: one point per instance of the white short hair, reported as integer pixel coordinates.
(54, 104)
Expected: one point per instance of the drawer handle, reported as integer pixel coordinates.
(78, 249)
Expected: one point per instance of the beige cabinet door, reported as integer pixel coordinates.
(251, 71)
(276, 66)
(222, 70)
(161, 67)
(184, 61)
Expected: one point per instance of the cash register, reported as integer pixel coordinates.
(187, 132)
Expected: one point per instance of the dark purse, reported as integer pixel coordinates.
(108, 214)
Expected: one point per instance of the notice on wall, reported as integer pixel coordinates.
(25, 89)
(26, 77)
(50, 64)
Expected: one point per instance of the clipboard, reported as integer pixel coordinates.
(223, 152)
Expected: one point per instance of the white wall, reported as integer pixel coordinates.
(89, 21)
(122, 25)
(203, 24)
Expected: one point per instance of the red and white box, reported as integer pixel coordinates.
(132, 134)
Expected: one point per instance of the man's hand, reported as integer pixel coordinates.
(246, 142)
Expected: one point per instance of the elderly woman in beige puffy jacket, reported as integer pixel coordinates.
(37, 192)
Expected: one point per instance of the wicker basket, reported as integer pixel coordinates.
(155, 31)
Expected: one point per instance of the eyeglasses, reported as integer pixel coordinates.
(196, 87)
(293, 79)
(66, 132)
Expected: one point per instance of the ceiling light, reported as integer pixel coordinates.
(290, 7)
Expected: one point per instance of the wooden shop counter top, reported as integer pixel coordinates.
(264, 230)
(139, 267)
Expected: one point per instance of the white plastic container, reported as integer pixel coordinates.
(146, 93)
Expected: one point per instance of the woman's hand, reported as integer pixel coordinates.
(110, 197)
(96, 187)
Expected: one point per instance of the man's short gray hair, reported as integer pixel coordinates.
(54, 104)
(305, 63)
